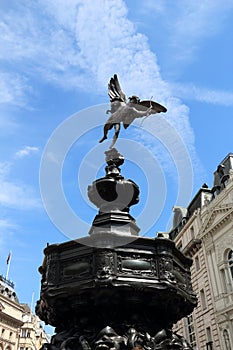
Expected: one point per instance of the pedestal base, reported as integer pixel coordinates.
(138, 289)
(116, 222)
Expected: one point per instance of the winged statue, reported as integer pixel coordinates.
(126, 112)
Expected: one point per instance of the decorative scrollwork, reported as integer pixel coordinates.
(136, 264)
(104, 264)
(166, 269)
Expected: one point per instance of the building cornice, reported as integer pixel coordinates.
(192, 247)
(14, 304)
(5, 318)
(7, 341)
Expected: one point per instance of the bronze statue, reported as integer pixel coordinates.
(125, 112)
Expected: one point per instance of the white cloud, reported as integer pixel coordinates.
(115, 46)
(155, 7)
(71, 47)
(58, 42)
(13, 194)
(25, 151)
(12, 89)
(5, 224)
(183, 25)
(195, 21)
(202, 94)
(42, 48)
(7, 123)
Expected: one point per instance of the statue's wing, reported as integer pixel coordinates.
(156, 107)
(142, 106)
(114, 90)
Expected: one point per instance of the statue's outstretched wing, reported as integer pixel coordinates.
(156, 107)
(114, 90)
(142, 106)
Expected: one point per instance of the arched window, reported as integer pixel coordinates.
(230, 262)
(226, 340)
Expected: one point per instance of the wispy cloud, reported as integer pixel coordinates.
(42, 47)
(13, 194)
(202, 94)
(26, 151)
(7, 123)
(195, 21)
(13, 89)
(187, 24)
(59, 45)
(6, 224)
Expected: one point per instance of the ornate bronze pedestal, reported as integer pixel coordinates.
(113, 289)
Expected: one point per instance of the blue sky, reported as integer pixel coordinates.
(56, 60)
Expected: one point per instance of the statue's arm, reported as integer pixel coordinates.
(138, 113)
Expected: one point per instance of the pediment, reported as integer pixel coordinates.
(216, 218)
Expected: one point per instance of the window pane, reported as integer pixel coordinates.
(197, 263)
(203, 300)
(230, 262)
(226, 340)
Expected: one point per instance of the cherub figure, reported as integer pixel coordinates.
(125, 112)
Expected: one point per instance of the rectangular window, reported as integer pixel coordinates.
(230, 262)
(197, 263)
(224, 281)
(23, 333)
(191, 333)
(209, 342)
(203, 299)
(208, 334)
(179, 245)
(209, 346)
(192, 232)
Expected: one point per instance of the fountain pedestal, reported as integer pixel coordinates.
(113, 289)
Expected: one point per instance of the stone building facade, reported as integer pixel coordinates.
(204, 231)
(10, 316)
(32, 334)
(19, 328)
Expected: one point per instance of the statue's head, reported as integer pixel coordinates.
(108, 339)
(134, 99)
